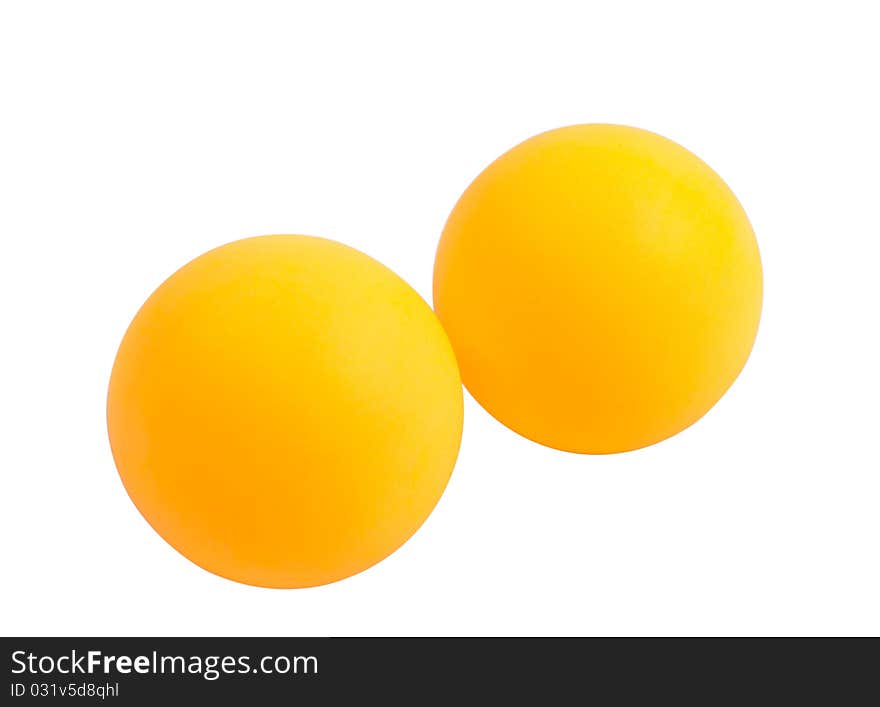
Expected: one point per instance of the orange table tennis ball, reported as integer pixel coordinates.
(601, 287)
(285, 411)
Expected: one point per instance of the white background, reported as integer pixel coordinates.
(134, 136)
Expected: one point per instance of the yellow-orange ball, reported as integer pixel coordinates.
(285, 411)
(601, 287)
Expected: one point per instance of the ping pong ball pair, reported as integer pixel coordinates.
(286, 411)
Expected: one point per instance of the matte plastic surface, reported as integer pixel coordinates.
(285, 411)
(601, 286)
